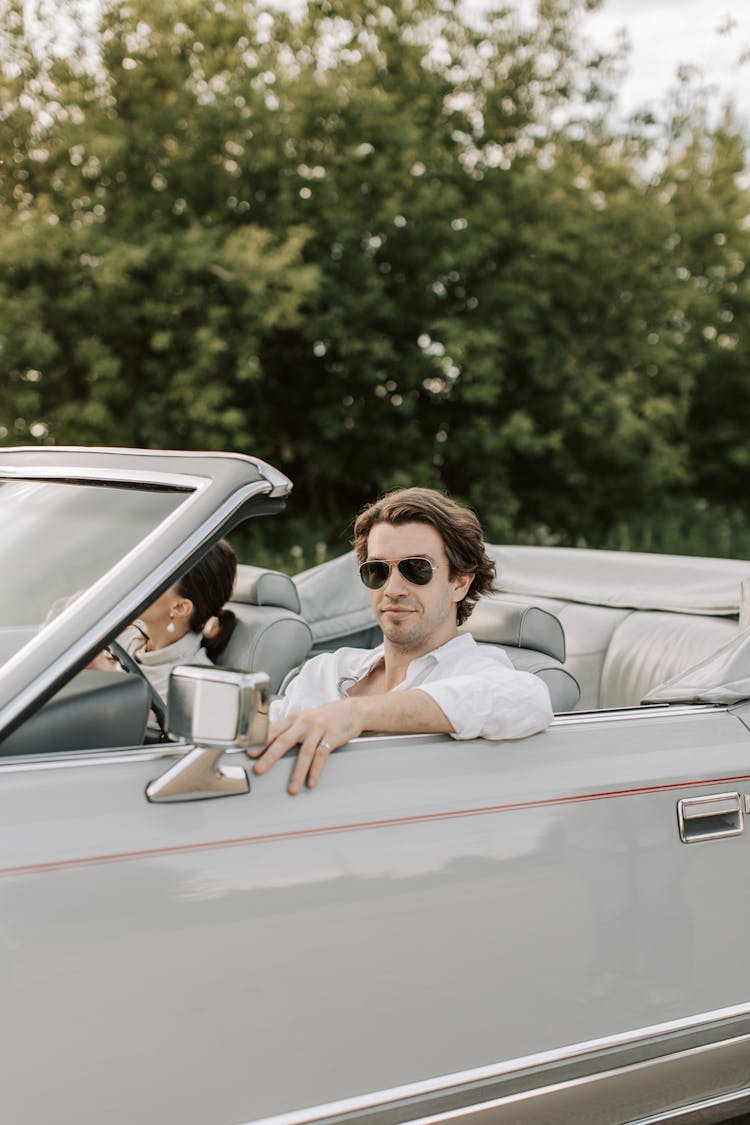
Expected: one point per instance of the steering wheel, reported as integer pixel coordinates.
(126, 661)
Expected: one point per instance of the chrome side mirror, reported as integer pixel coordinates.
(215, 710)
(217, 707)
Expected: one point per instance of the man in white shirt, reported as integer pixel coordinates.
(422, 558)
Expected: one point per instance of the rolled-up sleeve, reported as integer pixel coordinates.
(476, 687)
(492, 702)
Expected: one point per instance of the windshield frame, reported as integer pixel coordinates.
(212, 501)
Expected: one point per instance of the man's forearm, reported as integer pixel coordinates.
(401, 712)
(319, 731)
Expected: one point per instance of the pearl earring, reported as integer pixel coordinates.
(170, 626)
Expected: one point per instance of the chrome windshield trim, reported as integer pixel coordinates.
(381, 1098)
(111, 620)
(61, 473)
(280, 484)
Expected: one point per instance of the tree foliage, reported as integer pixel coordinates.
(374, 245)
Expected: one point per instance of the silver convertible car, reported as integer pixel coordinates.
(549, 930)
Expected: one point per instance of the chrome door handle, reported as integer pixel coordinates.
(710, 818)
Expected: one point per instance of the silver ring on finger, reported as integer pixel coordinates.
(326, 745)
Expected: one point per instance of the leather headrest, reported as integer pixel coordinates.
(501, 622)
(257, 586)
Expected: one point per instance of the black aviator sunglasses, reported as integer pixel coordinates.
(376, 572)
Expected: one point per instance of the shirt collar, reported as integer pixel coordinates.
(445, 652)
(438, 655)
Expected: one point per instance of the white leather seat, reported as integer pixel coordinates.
(649, 647)
(533, 639)
(270, 634)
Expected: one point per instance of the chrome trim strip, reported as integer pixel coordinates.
(476, 1108)
(28, 763)
(397, 742)
(717, 1102)
(552, 1088)
(379, 1098)
(606, 715)
(636, 714)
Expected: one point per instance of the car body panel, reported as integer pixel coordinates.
(499, 931)
(374, 933)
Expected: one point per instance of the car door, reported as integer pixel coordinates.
(512, 928)
(516, 931)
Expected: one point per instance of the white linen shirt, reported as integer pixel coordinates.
(475, 686)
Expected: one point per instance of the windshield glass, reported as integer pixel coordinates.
(60, 537)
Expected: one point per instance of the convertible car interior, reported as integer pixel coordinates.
(272, 636)
(93, 710)
(607, 632)
(596, 638)
(603, 629)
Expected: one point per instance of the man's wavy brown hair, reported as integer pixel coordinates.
(458, 526)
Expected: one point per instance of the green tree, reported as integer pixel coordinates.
(375, 245)
(707, 178)
(128, 313)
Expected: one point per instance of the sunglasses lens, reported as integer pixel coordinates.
(374, 574)
(416, 571)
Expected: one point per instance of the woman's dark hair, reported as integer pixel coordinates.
(459, 528)
(208, 586)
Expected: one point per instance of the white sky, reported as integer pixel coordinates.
(711, 35)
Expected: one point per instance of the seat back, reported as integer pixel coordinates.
(650, 646)
(616, 655)
(270, 634)
(533, 639)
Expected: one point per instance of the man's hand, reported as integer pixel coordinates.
(321, 730)
(317, 733)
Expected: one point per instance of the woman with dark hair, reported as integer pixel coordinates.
(188, 623)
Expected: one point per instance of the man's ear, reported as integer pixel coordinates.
(461, 585)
